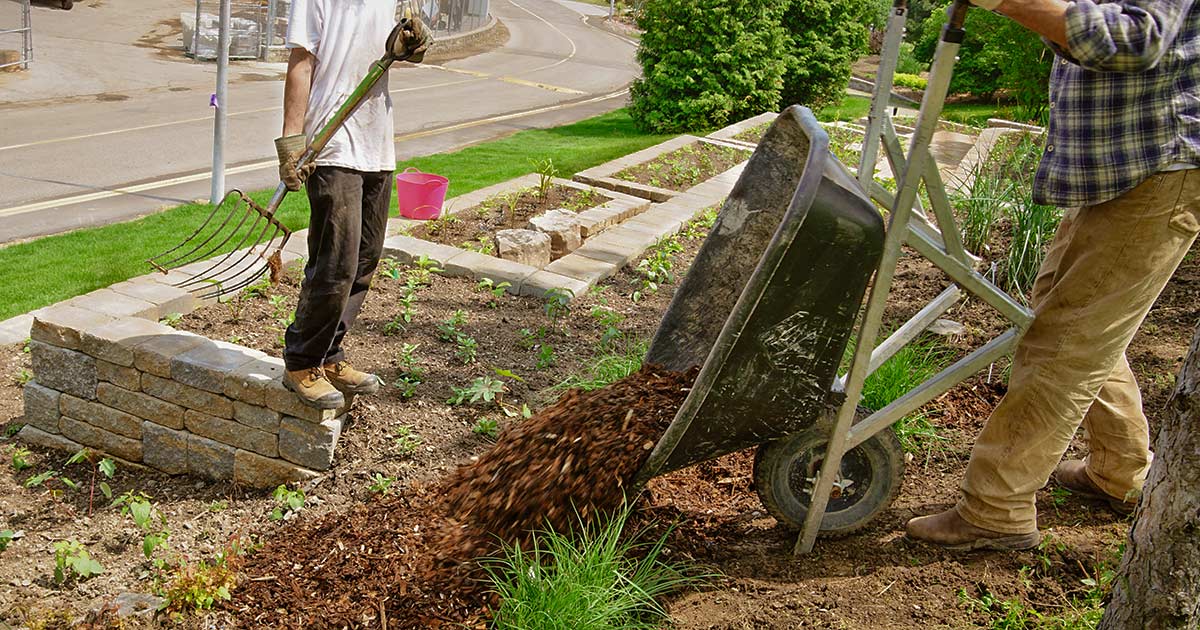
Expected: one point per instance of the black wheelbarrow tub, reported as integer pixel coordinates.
(769, 304)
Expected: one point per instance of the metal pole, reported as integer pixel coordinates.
(218, 170)
(612, 8)
(196, 35)
(28, 35)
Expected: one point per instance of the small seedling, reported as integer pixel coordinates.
(451, 329)
(408, 358)
(381, 484)
(22, 377)
(467, 349)
(422, 272)
(390, 268)
(279, 304)
(12, 429)
(407, 384)
(546, 357)
(27, 348)
(405, 441)
(218, 506)
(6, 537)
(558, 304)
(72, 559)
(103, 467)
(171, 319)
(497, 290)
(546, 173)
(20, 459)
(529, 338)
(148, 519)
(484, 388)
(610, 320)
(258, 289)
(487, 427)
(195, 587)
(287, 502)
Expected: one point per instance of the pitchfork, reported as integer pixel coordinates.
(251, 256)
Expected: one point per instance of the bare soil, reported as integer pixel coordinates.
(474, 227)
(874, 579)
(686, 166)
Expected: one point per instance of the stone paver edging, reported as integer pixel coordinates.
(730, 133)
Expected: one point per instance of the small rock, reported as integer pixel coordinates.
(528, 247)
(564, 229)
(947, 328)
(142, 605)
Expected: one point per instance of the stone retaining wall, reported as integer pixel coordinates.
(170, 400)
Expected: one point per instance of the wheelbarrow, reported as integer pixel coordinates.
(772, 300)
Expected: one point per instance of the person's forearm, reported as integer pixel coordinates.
(296, 90)
(1047, 18)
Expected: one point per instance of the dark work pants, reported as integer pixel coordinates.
(349, 211)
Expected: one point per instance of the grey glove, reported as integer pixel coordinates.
(289, 149)
(410, 39)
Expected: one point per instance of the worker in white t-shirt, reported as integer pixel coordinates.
(333, 44)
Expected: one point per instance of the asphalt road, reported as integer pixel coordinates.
(68, 163)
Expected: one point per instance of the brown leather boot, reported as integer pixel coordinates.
(951, 531)
(351, 381)
(314, 389)
(1072, 475)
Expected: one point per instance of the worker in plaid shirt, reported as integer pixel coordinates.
(1120, 159)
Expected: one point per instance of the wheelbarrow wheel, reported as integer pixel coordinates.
(785, 471)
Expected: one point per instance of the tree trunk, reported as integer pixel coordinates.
(1158, 587)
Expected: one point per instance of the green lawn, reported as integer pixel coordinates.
(55, 268)
(853, 108)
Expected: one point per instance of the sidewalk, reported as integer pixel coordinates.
(106, 50)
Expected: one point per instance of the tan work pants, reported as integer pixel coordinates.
(1105, 268)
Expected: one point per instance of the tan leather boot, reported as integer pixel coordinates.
(351, 381)
(314, 389)
(951, 531)
(1072, 475)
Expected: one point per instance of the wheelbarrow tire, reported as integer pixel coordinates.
(782, 469)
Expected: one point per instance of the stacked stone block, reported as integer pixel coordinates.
(170, 400)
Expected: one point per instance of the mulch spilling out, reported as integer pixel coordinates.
(409, 562)
(473, 227)
(686, 166)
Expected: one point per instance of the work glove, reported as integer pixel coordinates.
(410, 39)
(289, 149)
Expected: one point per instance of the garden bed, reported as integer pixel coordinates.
(404, 441)
(748, 131)
(669, 169)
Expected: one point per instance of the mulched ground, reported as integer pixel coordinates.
(476, 226)
(872, 580)
(686, 166)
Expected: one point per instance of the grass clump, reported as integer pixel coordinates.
(595, 579)
(609, 366)
(914, 364)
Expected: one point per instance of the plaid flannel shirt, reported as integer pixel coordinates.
(1124, 99)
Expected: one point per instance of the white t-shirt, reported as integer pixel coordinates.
(346, 37)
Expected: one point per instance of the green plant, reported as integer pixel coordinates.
(71, 559)
(389, 267)
(100, 467)
(381, 484)
(825, 38)
(451, 328)
(6, 538)
(609, 366)
(22, 377)
(529, 338)
(258, 289)
(610, 320)
(407, 384)
(545, 357)
(487, 427)
(546, 174)
(483, 245)
(558, 304)
(465, 349)
(911, 366)
(218, 506)
(482, 389)
(596, 577)
(686, 84)
(287, 502)
(1034, 226)
(657, 268)
(497, 290)
(911, 81)
(195, 587)
(171, 319)
(148, 519)
(404, 441)
(20, 458)
(421, 273)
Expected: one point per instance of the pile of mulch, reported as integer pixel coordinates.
(504, 212)
(410, 561)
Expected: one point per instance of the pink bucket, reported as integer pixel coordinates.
(420, 195)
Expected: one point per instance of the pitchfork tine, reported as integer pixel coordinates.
(204, 274)
(176, 261)
(193, 235)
